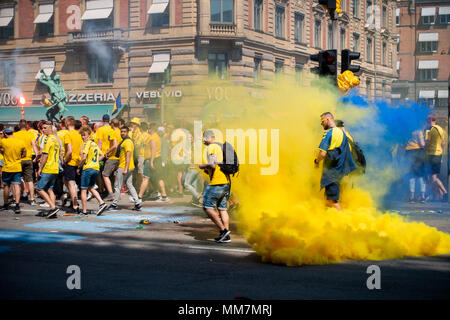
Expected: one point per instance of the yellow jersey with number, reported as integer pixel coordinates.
(93, 153)
(51, 148)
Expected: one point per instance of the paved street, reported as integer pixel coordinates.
(175, 257)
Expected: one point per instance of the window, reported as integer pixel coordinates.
(369, 88)
(342, 39)
(369, 50)
(279, 21)
(356, 42)
(317, 31)
(257, 67)
(98, 16)
(298, 26)
(161, 19)
(428, 46)
(100, 70)
(356, 8)
(428, 42)
(299, 74)
(428, 74)
(330, 36)
(369, 9)
(444, 15)
(397, 16)
(257, 16)
(427, 15)
(217, 65)
(44, 20)
(7, 23)
(9, 73)
(383, 53)
(279, 66)
(384, 17)
(222, 11)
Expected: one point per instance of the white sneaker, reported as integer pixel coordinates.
(44, 205)
(131, 199)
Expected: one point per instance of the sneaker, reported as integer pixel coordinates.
(17, 209)
(137, 207)
(44, 205)
(101, 208)
(5, 207)
(131, 199)
(223, 234)
(52, 213)
(41, 214)
(113, 207)
(33, 203)
(225, 240)
(162, 199)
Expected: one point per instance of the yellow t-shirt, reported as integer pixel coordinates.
(12, 154)
(213, 154)
(126, 146)
(51, 147)
(154, 136)
(115, 135)
(105, 132)
(434, 141)
(27, 138)
(93, 154)
(61, 134)
(74, 137)
(145, 145)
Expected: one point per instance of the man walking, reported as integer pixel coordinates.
(124, 173)
(338, 161)
(112, 161)
(217, 193)
(14, 151)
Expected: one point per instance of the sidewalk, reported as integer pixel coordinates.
(417, 207)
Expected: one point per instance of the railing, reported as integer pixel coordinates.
(222, 29)
(80, 36)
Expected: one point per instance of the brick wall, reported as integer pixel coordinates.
(26, 18)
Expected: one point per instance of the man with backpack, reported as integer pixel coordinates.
(217, 193)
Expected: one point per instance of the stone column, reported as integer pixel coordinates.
(204, 17)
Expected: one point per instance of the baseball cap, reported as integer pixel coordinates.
(105, 117)
(7, 131)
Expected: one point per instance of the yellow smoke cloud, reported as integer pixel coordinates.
(283, 216)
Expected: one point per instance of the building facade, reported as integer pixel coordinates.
(151, 51)
(423, 53)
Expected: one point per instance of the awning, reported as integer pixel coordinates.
(11, 115)
(443, 94)
(428, 64)
(98, 9)
(6, 16)
(429, 36)
(48, 66)
(444, 10)
(395, 96)
(428, 11)
(45, 13)
(158, 6)
(160, 63)
(427, 94)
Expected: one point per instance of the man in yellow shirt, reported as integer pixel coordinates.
(125, 171)
(73, 144)
(434, 148)
(27, 164)
(14, 151)
(90, 166)
(217, 193)
(49, 169)
(112, 161)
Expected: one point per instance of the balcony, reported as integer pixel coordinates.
(222, 30)
(106, 35)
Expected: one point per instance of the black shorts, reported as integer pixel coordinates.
(332, 191)
(70, 173)
(434, 163)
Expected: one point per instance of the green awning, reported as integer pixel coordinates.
(12, 115)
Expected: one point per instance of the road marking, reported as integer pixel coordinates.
(220, 249)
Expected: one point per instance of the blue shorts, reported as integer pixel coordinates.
(88, 178)
(216, 196)
(11, 178)
(47, 181)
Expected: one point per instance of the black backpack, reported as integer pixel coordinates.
(358, 156)
(230, 163)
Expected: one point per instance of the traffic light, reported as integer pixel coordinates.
(327, 63)
(346, 59)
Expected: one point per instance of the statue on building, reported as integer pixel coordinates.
(58, 96)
